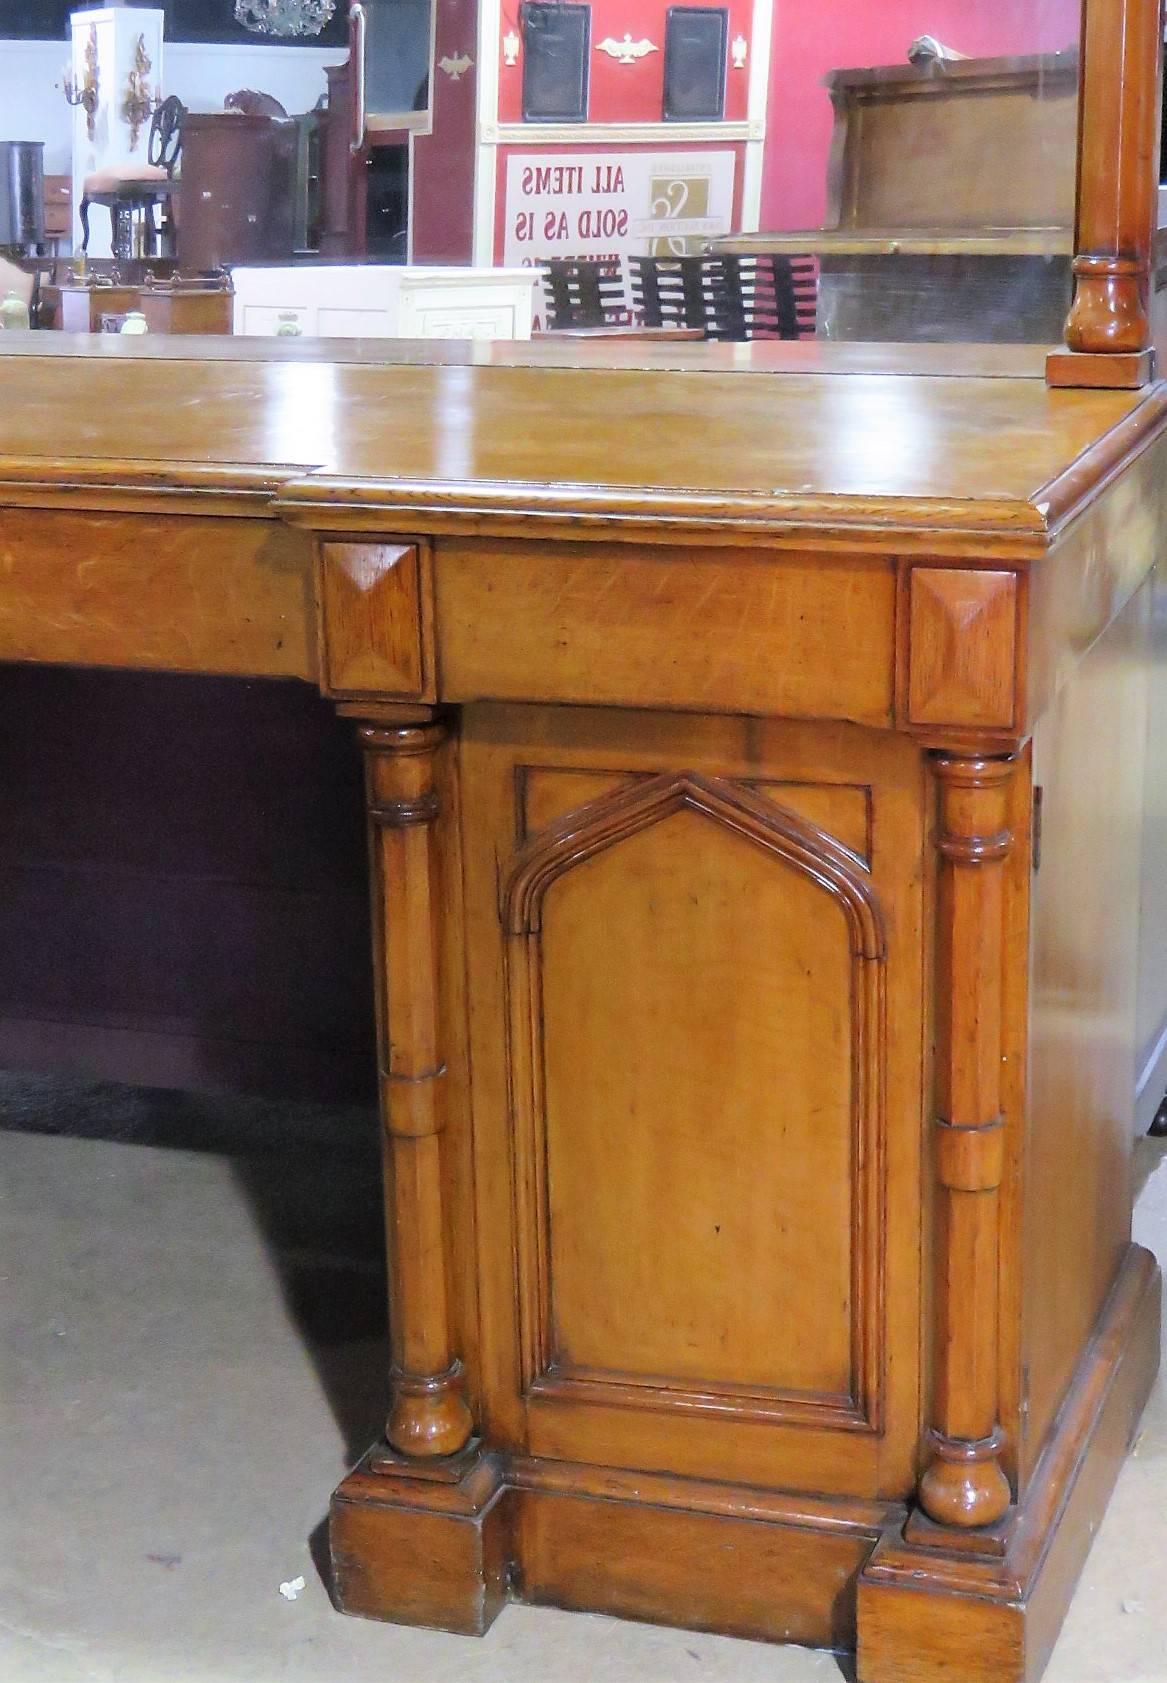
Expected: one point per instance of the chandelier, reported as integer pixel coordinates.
(284, 17)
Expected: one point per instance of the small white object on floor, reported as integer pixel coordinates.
(292, 1588)
(1132, 1607)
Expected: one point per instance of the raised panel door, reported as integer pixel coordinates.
(697, 1057)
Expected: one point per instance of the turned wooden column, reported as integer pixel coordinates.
(963, 1484)
(428, 1414)
(1118, 177)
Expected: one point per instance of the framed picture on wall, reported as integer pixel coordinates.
(696, 38)
(556, 39)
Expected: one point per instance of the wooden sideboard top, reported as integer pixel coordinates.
(962, 445)
(759, 356)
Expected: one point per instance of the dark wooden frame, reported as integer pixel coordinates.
(1114, 320)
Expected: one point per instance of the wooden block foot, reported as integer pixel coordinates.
(421, 1548)
(1109, 371)
(980, 1615)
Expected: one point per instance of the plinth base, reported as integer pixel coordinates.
(444, 1546)
(422, 1547)
(993, 1615)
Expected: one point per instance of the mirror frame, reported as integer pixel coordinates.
(1116, 315)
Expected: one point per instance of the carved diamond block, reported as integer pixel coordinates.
(373, 611)
(962, 629)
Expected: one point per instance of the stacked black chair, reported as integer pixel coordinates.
(726, 297)
(804, 282)
(583, 293)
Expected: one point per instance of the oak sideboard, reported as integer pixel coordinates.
(755, 743)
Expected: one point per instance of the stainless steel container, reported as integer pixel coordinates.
(22, 193)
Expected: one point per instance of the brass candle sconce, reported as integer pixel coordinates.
(139, 101)
(88, 94)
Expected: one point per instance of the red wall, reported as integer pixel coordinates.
(810, 40)
(626, 93)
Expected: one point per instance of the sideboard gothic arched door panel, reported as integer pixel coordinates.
(684, 1109)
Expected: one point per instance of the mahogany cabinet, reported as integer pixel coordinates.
(755, 763)
(237, 198)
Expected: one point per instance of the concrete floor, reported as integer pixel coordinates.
(177, 1398)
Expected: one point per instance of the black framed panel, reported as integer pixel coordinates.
(556, 39)
(696, 39)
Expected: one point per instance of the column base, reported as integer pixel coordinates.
(444, 1544)
(775, 1566)
(1109, 370)
(989, 1609)
(422, 1545)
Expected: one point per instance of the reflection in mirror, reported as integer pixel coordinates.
(925, 167)
(397, 60)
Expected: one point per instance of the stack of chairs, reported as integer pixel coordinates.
(804, 282)
(583, 293)
(727, 297)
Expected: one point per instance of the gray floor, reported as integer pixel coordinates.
(177, 1398)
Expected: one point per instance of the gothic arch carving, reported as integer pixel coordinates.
(591, 829)
(611, 818)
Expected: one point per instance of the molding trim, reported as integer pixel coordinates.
(603, 134)
(486, 116)
(757, 102)
(758, 96)
(598, 826)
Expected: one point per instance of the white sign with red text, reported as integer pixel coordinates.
(605, 206)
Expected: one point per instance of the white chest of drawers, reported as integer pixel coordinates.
(383, 301)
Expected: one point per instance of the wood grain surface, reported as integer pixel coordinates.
(404, 446)
(739, 1272)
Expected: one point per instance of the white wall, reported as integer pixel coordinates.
(202, 75)
(32, 106)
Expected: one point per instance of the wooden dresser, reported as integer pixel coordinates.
(755, 744)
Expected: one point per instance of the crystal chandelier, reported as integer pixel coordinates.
(284, 17)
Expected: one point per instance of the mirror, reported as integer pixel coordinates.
(925, 181)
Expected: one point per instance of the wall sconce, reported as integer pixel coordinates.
(139, 102)
(87, 95)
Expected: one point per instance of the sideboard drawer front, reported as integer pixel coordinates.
(152, 592)
(722, 630)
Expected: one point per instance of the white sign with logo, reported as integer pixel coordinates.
(606, 206)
